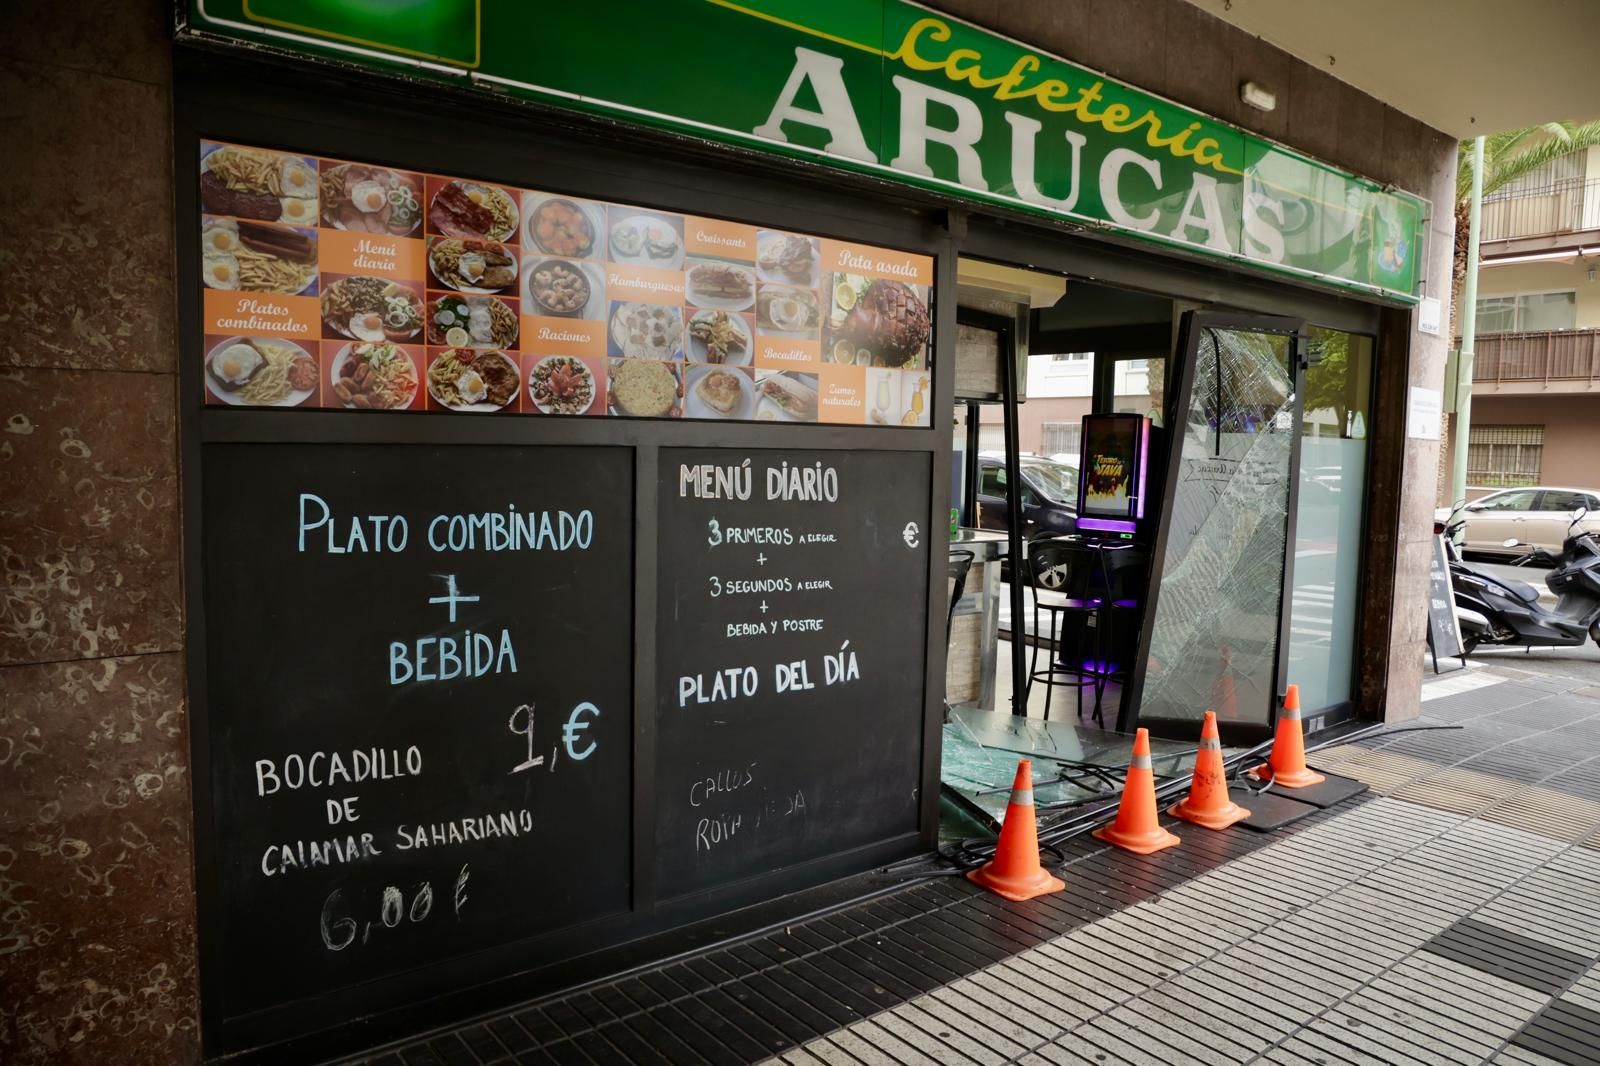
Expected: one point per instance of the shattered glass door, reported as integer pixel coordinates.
(1217, 622)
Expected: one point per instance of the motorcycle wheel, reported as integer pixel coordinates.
(1467, 644)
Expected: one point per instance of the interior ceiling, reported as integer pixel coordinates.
(1462, 66)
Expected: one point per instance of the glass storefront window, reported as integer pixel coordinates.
(1327, 547)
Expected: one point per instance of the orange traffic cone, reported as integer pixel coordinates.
(1014, 872)
(1208, 803)
(1286, 766)
(1137, 828)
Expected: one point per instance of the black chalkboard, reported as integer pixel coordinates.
(1444, 635)
(791, 659)
(326, 635)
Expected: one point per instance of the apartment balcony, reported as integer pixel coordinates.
(1563, 214)
(1538, 362)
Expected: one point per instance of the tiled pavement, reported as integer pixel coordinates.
(1455, 918)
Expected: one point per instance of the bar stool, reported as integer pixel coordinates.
(1058, 573)
(1121, 571)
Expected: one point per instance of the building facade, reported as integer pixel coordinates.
(111, 891)
(1536, 370)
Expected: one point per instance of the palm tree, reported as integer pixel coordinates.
(1506, 157)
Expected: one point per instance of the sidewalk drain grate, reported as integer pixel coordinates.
(1563, 1031)
(1511, 956)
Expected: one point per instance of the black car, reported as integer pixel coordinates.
(1049, 496)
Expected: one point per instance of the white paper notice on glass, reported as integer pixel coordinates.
(1428, 314)
(1423, 413)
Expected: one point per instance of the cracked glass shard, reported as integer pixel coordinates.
(1214, 638)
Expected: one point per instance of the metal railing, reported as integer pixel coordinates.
(1566, 206)
(1542, 355)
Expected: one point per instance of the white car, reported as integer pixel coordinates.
(1533, 517)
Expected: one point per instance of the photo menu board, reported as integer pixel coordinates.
(337, 284)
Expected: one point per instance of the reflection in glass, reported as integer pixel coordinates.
(1333, 465)
(1214, 640)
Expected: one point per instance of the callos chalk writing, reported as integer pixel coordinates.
(466, 654)
(722, 782)
(800, 482)
(323, 769)
(709, 482)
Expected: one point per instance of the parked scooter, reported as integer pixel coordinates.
(1494, 611)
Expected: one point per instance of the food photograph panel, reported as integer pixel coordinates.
(432, 292)
(786, 396)
(472, 266)
(644, 388)
(644, 238)
(563, 288)
(721, 392)
(715, 283)
(373, 375)
(474, 380)
(716, 336)
(257, 184)
(788, 258)
(248, 256)
(563, 226)
(368, 199)
(877, 322)
(261, 372)
(645, 331)
(457, 320)
(565, 385)
(472, 210)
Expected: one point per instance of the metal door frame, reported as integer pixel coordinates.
(1193, 322)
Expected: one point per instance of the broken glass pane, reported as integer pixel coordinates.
(1214, 639)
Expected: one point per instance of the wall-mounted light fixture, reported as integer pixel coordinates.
(1257, 97)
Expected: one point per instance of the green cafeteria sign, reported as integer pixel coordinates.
(889, 88)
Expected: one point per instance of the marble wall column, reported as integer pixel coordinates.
(97, 954)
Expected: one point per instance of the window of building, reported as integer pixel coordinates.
(1568, 168)
(1504, 455)
(1061, 437)
(1071, 357)
(1528, 311)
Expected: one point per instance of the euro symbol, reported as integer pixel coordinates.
(909, 534)
(570, 733)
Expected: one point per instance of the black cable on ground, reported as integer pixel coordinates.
(973, 852)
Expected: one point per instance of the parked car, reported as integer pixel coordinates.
(1534, 517)
(1049, 495)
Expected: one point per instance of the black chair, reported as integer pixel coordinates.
(1059, 572)
(960, 566)
(1122, 578)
